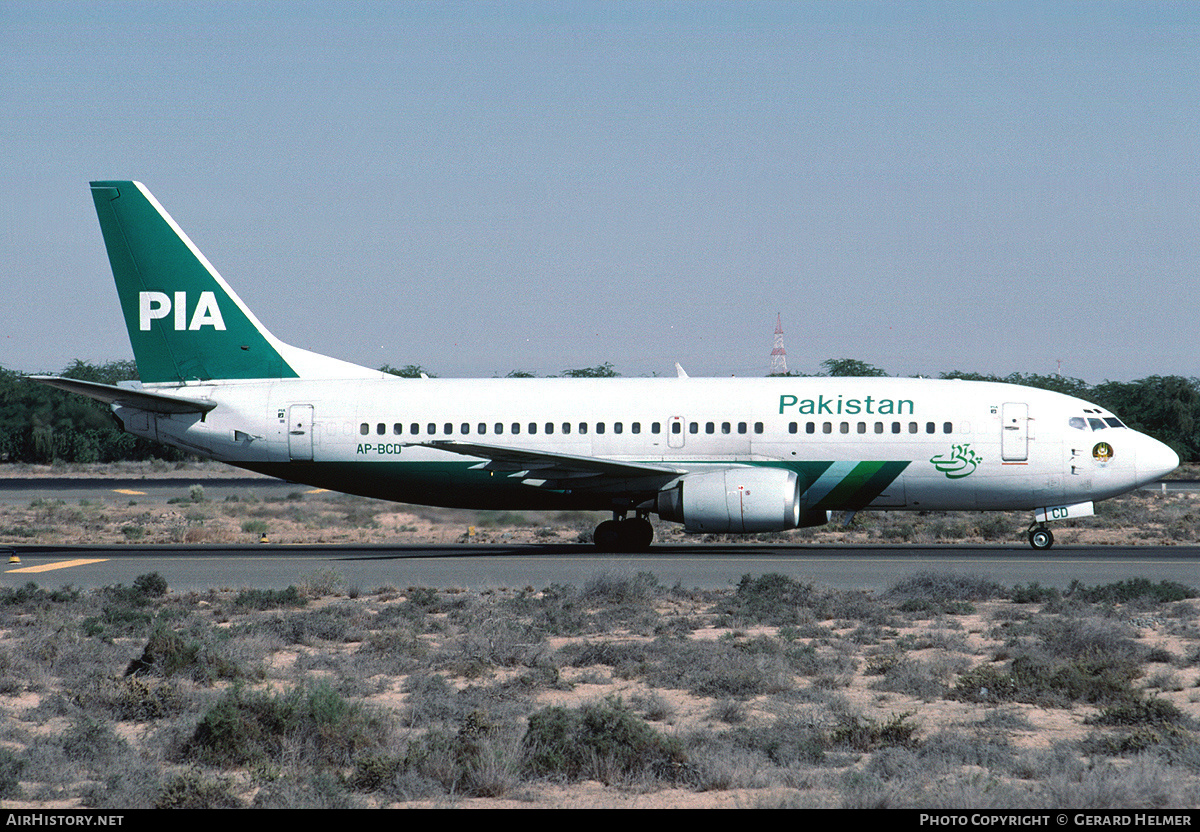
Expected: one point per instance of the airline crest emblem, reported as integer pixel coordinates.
(155, 305)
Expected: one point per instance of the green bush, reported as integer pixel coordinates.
(10, 773)
(193, 790)
(269, 599)
(253, 727)
(1122, 592)
(599, 741)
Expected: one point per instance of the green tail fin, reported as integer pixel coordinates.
(184, 321)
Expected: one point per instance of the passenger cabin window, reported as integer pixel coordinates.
(758, 427)
(793, 427)
(635, 427)
(364, 428)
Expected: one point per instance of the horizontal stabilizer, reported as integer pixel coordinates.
(126, 397)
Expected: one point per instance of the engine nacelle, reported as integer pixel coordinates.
(737, 501)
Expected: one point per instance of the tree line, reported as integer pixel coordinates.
(40, 424)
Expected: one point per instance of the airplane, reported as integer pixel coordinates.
(718, 455)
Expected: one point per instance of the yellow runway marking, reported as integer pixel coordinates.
(62, 564)
(317, 491)
(128, 491)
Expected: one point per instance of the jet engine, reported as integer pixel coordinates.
(737, 501)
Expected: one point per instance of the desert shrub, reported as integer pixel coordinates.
(1137, 589)
(475, 760)
(269, 599)
(132, 699)
(772, 599)
(863, 734)
(194, 790)
(787, 741)
(10, 773)
(91, 741)
(31, 596)
(151, 585)
(168, 653)
(913, 677)
(609, 588)
(246, 727)
(944, 587)
(1051, 681)
(1035, 593)
(600, 741)
(1149, 711)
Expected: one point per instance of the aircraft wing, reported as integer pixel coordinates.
(126, 396)
(551, 470)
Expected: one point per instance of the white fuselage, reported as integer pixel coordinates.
(855, 442)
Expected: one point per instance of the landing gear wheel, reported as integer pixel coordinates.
(624, 535)
(638, 533)
(607, 536)
(1041, 538)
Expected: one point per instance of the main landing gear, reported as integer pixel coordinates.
(624, 535)
(1040, 537)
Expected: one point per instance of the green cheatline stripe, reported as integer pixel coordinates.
(862, 485)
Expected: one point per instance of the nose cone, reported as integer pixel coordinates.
(1155, 460)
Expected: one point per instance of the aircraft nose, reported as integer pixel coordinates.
(1155, 460)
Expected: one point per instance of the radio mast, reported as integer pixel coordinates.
(778, 353)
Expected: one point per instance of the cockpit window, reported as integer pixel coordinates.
(1078, 423)
(1096, 424)
(1114, 422)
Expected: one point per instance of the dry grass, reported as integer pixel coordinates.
(941, 693)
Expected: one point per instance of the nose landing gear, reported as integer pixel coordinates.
(1040, 537)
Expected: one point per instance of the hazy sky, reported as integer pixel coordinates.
(481, 187)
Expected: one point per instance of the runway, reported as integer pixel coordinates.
(365, 568)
